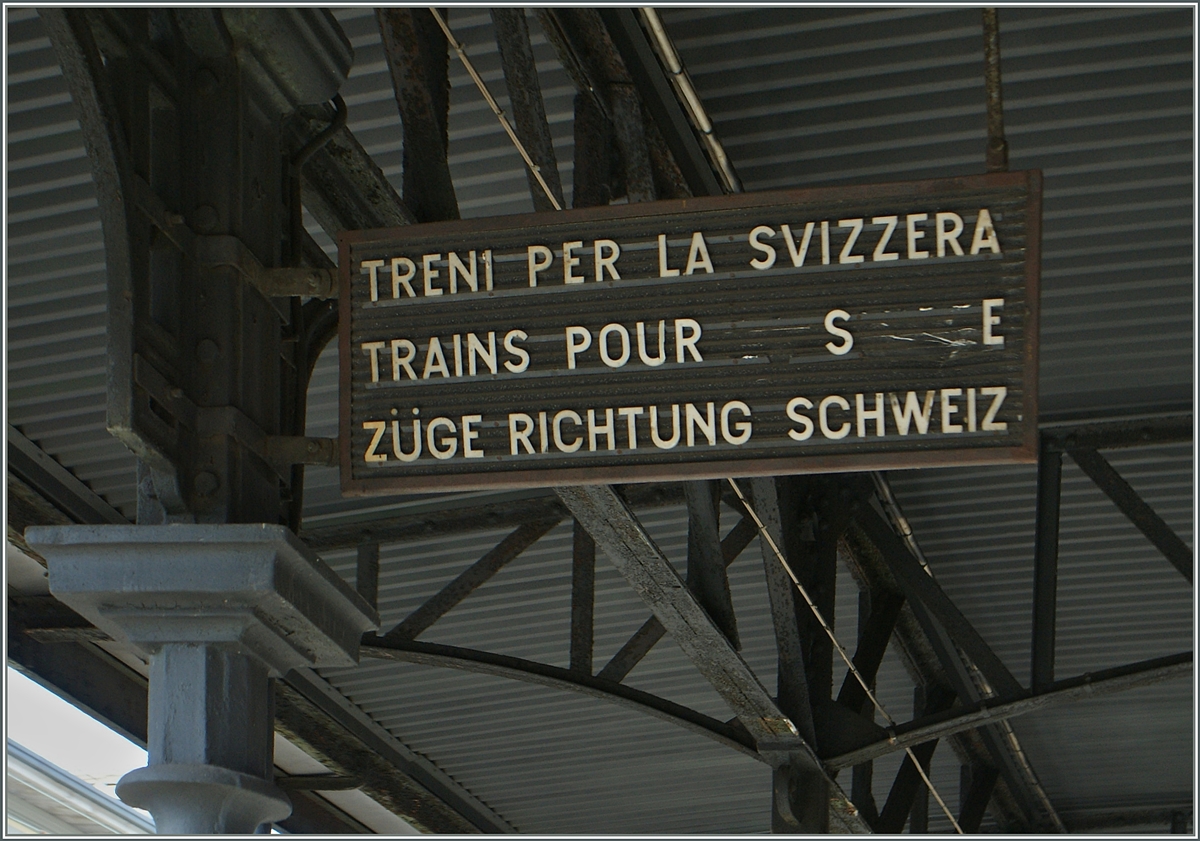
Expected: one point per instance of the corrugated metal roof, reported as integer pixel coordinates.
(1100, 98)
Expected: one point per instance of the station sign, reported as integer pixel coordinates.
(830, 329)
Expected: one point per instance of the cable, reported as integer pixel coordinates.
(462, 55)
(891, 722)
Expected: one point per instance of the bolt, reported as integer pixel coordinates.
(207, 351)
(206, 483)
(312, 446)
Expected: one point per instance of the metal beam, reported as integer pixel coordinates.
(793, 687)
(908, 782)
(418, 59)
(962, 718)
(1045, 566)
(583, 599)
(660, 100)
(635, 555)
(873, 638)
(981, 783)
(525, 94)
(527, 671)
(1135, 508)
(470, 580)
(55, 483)
(645, 637)
(1175, 428)
(313, 716)
(920, 586)
(705, 566)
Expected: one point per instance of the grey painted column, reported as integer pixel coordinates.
(219, 610)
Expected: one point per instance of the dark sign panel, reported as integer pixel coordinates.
(812, 330)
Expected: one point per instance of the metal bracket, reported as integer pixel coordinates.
(229, 252)
(279, 451)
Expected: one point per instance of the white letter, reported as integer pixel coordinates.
(606, 331)
(863, 415)
(475, 348)
(458, 268)
(607, 430)
(913, 235)
(570, 262)
(519, 435)
(469, 435)
(653, 362)
(370, 455)
(435, 360)
(372, 267)
(510, 340)
(575, 348)
(631, 414)
(405, 280)
(912, 412)
(567, 414)
(880, 255)
(856, 226)
(744, 428)
(990, 321)
(765, 247)
(663, 271)
(654, 436)
(998, 393)
(373, 348)
(707, 424)
(537, 265)
(450, 442)
(683, 342)
(429, 273)
(948, 236)
(398, 450)
(797, 255)
(399, 361)
(985, 234)
(844, 335)
(949, 409)
(805, 422)
(698, 255)
(823, 416)
(606, 262)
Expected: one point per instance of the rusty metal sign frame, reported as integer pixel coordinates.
(1022, 448)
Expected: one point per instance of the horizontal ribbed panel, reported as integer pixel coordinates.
(1099, 99)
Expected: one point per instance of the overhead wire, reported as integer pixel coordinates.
(841, 650)
(496, 109)
(696, 111)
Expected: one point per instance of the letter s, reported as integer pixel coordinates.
(834, 330)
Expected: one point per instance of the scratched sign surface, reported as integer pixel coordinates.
(827, 329)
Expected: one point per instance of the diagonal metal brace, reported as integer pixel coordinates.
(1136, 509)
(636, 556)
